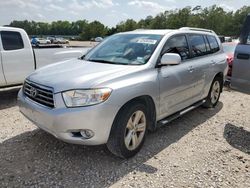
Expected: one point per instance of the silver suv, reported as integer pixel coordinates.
(128, 84)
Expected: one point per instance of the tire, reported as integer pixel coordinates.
(122, 141)
(214, 93)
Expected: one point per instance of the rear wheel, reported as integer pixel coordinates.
(214, 93)
(128, 130)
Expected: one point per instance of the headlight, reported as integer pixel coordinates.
(77, 98)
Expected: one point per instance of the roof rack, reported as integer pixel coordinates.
(196, 29)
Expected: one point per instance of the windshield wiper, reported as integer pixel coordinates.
(105, 61)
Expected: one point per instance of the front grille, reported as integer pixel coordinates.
(40, 94)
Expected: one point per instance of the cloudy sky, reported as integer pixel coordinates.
(109, 12)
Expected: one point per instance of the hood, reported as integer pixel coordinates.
(73, 74)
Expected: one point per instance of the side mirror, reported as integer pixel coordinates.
(170, 59)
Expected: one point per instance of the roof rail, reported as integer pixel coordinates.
(196, 29)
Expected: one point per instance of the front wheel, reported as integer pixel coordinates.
(128, 130)
(214, 93)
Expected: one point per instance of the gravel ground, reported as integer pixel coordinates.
(204, 148)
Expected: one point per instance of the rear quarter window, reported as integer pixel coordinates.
(214, 46)
(11, 40)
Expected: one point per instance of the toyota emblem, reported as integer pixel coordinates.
(33, 92)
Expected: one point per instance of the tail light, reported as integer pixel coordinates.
(230, 66)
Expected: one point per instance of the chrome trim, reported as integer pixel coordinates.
(44, 97)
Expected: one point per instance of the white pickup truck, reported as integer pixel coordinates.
(18, 59)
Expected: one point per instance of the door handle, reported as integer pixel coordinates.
(243, 56)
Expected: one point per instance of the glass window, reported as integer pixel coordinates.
(213, 44)
(126, 49)
(245, 32)
(11, 40)
(177, 44)
(207, 45)
(248, 38)
(197, 45)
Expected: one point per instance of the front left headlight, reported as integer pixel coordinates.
(80, 98)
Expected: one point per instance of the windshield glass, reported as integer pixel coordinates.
(127, 49)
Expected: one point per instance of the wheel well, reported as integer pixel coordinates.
(149, 103)
(221, 76)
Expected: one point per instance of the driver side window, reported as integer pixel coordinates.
(177, 44)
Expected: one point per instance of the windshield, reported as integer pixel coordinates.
(127, 49)
(229, 48)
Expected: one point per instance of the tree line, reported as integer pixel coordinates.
(223, 22)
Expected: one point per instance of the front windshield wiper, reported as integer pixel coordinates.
(105, 61)
(82, 57)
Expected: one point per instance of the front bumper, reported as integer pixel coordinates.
(62, 121)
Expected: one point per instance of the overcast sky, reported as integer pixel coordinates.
(109, 12)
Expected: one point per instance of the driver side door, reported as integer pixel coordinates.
(177, 82)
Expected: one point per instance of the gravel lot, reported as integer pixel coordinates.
(204, 148)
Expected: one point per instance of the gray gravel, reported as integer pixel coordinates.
(204, 148)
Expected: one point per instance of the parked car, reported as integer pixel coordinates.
(18, 59)
(98, 39)
(130, 83)
(61, 41)
(52, 39)
(57, 40)
(229, 48)
(240, 79)
(228, 39)
(37, 41)
(222, 38)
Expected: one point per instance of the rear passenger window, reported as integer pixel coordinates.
(177, 44)
(11, 40)
(197, 45)
(214, 46)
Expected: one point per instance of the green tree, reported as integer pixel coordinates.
(128, 25)
(93, 30)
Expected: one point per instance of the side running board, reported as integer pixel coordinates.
(178, 114)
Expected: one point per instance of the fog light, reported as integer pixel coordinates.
(87, 134)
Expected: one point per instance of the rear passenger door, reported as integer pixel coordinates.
(240, 79)
(207, 60)
(199, 63)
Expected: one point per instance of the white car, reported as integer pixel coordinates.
(37, 41)
(98, 39)
(18, 59)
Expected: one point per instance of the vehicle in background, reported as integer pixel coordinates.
(51, 39)
(240, 79)
(18, 59)
(229, 48)
(228, 39)
(61, 41)
(222, 38)
(57, 40)
(36, 41)
(128, 84)
(98, 39)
